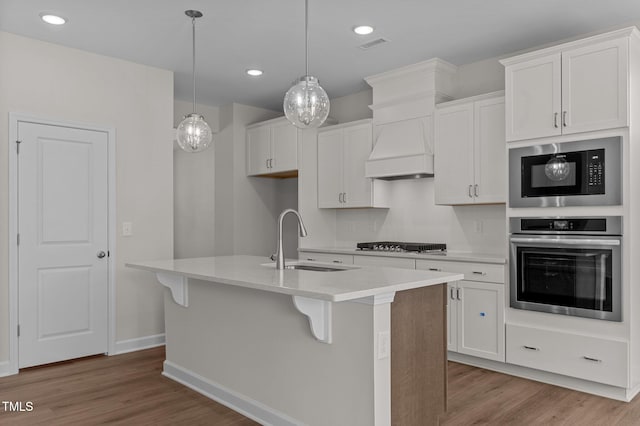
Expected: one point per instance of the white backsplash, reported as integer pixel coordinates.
(414, 217)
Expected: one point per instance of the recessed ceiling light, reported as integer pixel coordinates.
(53, 19)
(363, 29)
(254, 72)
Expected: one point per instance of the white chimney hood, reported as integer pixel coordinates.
(402, 149)
(403, 104)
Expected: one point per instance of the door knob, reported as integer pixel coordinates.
(101, 254)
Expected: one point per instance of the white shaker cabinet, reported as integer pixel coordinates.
(272, 148)
(470, 151)
(575, 87)
(342, 152)
(475, 308)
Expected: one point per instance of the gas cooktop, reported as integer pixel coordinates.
(403, 247)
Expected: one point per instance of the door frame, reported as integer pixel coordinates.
(14, 119)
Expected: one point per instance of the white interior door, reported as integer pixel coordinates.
(62, 221)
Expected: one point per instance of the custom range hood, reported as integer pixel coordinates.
(403, 105)
(402, 150)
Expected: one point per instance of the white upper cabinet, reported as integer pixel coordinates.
(342, 152)
(272, 149)
(470, 151)
(572, 88)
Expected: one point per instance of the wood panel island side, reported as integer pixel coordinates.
(353, 346)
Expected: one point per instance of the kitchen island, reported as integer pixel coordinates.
(352, 346)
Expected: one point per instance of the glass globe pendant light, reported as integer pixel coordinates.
(193, 133)
(306, 104)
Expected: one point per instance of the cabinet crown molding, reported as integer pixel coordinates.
(490, 95)
(611, 35)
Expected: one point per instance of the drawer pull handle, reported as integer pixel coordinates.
(337, 261)
(435, 269)
(592, 359)
(479, 273)
(311, 259)
(531, 348)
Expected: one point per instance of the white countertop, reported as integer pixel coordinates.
(248, 271)
(447, 256)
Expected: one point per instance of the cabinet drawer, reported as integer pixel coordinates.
(394, 262)
(590, 358)
(484, 272)
(346, 259)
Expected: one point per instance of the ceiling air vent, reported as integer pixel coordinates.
(373, 43)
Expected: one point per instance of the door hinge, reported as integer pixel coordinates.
(18, 330)
(18, 239)
(18, 147)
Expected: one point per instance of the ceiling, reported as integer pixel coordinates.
(235, 35)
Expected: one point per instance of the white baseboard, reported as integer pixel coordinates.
(5, 369)
(131, 345)
(246, 406)
(607, 391)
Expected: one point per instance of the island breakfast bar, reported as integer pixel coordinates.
(350, 346)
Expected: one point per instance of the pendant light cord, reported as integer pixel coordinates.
(193, 65)
(306, 37)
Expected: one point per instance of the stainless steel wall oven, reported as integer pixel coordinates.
(569, 266)
(581, 173)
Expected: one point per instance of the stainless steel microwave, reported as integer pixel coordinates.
(581, 173)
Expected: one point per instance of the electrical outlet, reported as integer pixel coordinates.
(384, 345)
(127, 229)
(478, 226)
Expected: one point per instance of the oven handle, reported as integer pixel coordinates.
(567, 241)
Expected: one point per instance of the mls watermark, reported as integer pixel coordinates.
(17, 406)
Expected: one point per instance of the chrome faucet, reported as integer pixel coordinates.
(279, 255)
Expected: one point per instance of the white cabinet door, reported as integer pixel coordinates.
(259, 150)
(284, 148)
(490, 152)
(470, 158)
(357, 148)
(533, 98)
(481, 320)
(454, 155)
(594, 87)
(330, 159)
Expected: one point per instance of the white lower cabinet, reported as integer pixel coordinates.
(475, 308)
(393, 262)
(585, 357)
(476, 319)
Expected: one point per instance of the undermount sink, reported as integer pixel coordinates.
(317, 267)
(314, 268)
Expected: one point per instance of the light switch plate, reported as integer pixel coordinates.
(384, 345)
(127, 229)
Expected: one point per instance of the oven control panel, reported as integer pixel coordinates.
(606, 225)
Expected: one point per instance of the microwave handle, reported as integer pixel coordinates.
(566, 241)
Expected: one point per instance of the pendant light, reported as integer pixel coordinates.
(306, 104)
(193, 133)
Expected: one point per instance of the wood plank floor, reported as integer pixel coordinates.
(128, 389)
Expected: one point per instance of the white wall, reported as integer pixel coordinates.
(352, 107)
(66, 84)
(193, 187)
(247, 208)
